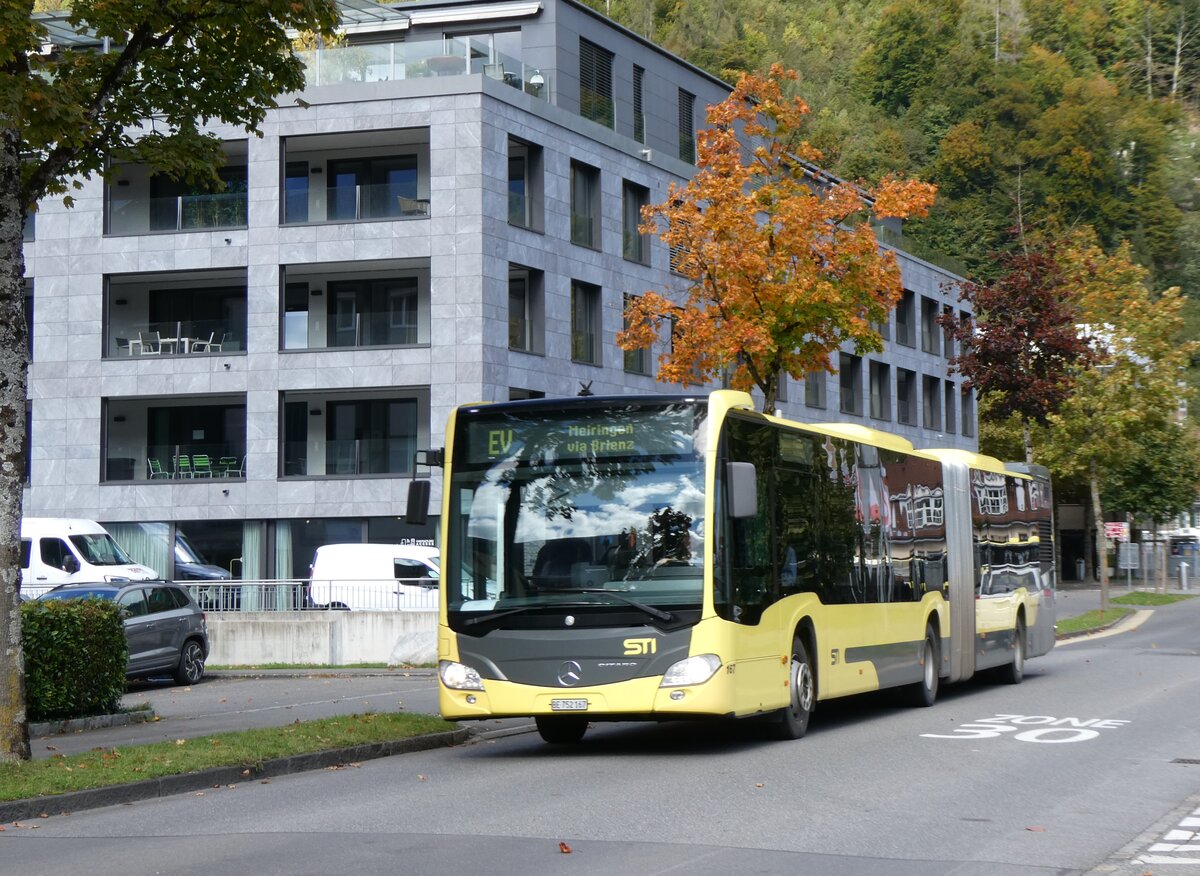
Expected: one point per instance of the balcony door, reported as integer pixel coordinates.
(371, 188)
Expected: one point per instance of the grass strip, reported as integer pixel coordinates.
(1091, 620)
(1146, 597)
(117, 766)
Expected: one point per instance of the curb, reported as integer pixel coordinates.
(165, 786)
(1131, 621)
(95, 722)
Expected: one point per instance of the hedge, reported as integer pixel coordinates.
(75, 657)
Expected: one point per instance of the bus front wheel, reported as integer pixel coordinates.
(792, 722)
(561, 729)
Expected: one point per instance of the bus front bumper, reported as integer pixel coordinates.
(635, 698)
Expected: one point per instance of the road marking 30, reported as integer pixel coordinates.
(1042, 728)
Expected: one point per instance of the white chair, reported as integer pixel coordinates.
(149, 344)
(199, 345)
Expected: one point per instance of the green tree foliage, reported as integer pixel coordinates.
(138, 89)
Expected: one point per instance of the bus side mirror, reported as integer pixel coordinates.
(417, 512)
(743, 489)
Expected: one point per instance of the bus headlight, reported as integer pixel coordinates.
(693, 670)
(456, 676)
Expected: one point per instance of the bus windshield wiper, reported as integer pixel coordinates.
(496, 615)
(658, 613)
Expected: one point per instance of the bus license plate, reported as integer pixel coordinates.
(568, 705)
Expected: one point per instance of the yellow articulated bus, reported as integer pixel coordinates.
(653, 558)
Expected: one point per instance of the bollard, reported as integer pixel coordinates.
(1183, 582)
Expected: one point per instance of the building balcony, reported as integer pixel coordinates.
(383, 62)
(181, 313)
(174, 439)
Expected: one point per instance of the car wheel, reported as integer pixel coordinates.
(561, 729)
(191, 663)
(792, 721)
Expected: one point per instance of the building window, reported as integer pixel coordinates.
(906, 396)
(905, 320)
(850, 383)
(968, 413)
(378, 304)
(585, 205)
(814, 389)
(344, 434)
(687, 128)
(374, 313)
(180, 313)
(585, 323)
(176, 205)
(949, 417)
(639, 112)
(930, 331)
(295, 192)
(635, 245)
(524, 309)
(524, 184)
(931, 403)
(636, 361)
(373, 188)
(595, 83)
(948, 331)
(881, 391)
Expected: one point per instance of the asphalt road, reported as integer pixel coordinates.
(1084, 768)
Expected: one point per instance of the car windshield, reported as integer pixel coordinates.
(601, 511)
(100, 550)
(79, 593)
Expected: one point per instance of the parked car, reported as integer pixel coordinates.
(164, 627)
(374, 577)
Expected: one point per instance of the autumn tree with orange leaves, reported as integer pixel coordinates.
(781, 264)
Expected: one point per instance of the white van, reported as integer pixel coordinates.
(62, 550)
(375, 577)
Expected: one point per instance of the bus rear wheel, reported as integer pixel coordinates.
(792, 721)
(924, 692)
(1014, 672)
(561, 729)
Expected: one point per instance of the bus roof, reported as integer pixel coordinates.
(980, 461)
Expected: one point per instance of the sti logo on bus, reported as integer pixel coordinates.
(640, 647)
(499, 440)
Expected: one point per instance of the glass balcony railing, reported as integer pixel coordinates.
(178, 213)
(350, 65)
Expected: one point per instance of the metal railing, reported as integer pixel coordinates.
(298, 594)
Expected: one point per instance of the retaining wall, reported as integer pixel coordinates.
(332, 638)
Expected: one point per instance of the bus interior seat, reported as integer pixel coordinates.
(556, 560)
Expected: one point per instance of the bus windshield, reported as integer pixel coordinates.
(599, 511)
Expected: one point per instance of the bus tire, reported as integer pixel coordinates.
(792, 720)
(924, 693)
(561, 729)
(1014, 672)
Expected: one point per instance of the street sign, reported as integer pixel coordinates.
(1127, 556)
(1117, 531)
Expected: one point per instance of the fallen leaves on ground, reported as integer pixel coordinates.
(564, 848)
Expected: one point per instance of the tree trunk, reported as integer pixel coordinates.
(14, 726)
(1027, 438)
(1101, 542)
(1176, 68)
(1149, 58)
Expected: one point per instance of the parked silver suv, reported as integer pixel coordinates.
(165, 629)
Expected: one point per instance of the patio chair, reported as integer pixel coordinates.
(226, 465)
(183, 466)
(149, 344)
(201, 466)
(156, 469)
(199, 345)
